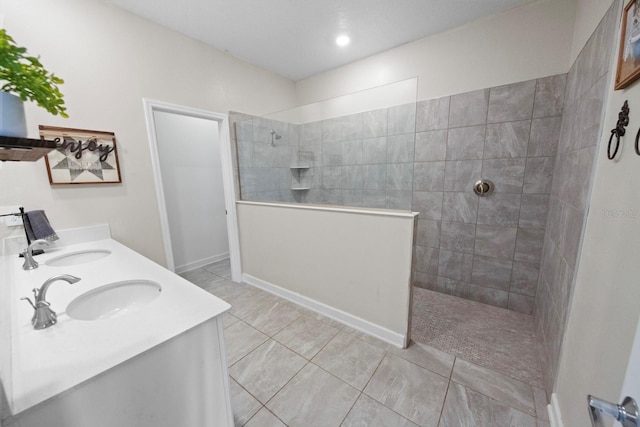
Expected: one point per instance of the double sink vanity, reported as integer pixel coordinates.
(133, 344)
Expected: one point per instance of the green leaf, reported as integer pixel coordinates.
(25, 76)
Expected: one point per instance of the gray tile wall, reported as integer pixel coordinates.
(363, 159)
(580, 131)
(486, 249)
(264, 172)
(425, 157)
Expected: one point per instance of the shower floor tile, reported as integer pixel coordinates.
(501, 340)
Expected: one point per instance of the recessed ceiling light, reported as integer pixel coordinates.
(343, 40)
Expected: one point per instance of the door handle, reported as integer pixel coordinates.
(626, 412)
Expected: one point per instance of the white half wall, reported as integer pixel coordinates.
(191, 169)
(524, 43)
(111, 60)
(354, 261)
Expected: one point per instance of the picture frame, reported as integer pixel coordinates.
(628, 70)
(82, 156)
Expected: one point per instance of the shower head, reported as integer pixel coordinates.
(274, 136)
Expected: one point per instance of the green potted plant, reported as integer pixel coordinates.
(22, 78)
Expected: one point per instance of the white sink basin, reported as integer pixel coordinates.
(79, 257)
(113, 299)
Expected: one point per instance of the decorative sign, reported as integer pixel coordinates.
(629, 56)
(82, 156)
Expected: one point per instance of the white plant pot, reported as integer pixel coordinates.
(12, 120)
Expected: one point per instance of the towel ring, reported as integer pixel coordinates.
(619, 131)
(615, 133)
(636, 145)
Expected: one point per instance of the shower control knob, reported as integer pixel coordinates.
(483, 187)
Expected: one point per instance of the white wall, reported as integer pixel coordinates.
(110, 60)
(588, 15)
(524, 43)
(191, 168)
(355, 262)
(605, 311)
(389, 95)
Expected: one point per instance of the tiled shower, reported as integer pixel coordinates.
(536, 140)
(425, 157)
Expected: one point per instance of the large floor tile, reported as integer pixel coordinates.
(272, 318)
(208, 283)
(370, 339)
(331, 322)
(240, 340)
(350, 359)
(367, 412)
(265, 370)
(264, 418)
(409, 390)
(467, 408)
(229, 319)
(197, 276)
(221, 268)
(243, 405)
(500, 387)
(246, 303)
(313, 398)
(426, 356)
(306, 335)
(226, 289)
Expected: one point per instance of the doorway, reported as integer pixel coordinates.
(193, 174)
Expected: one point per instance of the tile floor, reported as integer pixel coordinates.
(292, 367)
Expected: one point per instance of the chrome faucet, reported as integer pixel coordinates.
(29, 262)
(44, 316)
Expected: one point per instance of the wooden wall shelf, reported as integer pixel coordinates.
(24, 149)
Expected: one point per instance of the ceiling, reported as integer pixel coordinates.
(296, 38)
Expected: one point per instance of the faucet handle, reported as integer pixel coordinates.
(27, 299)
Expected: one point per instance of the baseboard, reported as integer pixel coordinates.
(345, 318)
(553, 408)
(201, 262)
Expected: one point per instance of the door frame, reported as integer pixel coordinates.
(228, 181)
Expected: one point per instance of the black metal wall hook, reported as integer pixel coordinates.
(619, 131)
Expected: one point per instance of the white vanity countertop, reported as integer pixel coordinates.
(47, 362)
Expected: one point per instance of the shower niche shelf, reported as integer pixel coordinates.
(298, 177)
